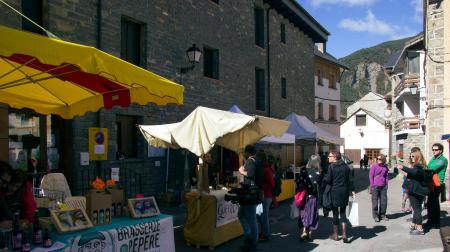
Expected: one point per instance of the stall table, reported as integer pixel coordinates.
(123, 234)
(216, 222)
(287, 189)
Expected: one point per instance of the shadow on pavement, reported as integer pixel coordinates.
(397, 215)
(365, 233)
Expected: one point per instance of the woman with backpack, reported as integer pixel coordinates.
(416, 188)
(308, 183)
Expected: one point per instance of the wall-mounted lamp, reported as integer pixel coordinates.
(422, 121)
(414, 88)
(193, 54)
(361, 133)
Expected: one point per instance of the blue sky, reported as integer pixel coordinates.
(357, 24)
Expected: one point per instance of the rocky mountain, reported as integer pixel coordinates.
(366, 73)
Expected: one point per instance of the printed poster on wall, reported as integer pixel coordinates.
(153, 236)
(98, 143)
(226, 211)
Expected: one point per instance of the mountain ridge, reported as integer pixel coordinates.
(366, 71)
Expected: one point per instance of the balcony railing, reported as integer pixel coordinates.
(406, 82)
(407, 123)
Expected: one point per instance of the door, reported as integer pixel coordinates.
(353, 154)
(372, 154)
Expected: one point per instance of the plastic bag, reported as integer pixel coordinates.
(353, 216)
(259, 209)
(294, 211)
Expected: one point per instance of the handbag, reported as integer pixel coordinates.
(327, 202)
(300, 198)
(414, 187)
(353, 216)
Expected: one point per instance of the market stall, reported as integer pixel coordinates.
(212, 127)
(214, 223)
(52, 76)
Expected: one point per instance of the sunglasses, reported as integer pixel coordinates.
(435, 149)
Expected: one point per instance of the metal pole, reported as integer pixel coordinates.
(167, 168)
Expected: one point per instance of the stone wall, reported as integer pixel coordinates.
(434, 73)
(170, 28)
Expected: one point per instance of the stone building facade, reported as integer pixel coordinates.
(437, 47)
(166, 30)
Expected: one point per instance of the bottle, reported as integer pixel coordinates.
(113, 210)
(16, 233)
(119, 209)
(47, 242)
(37, 230)
(95, 217)
(26, 246)
(107, 216)
(101, 217)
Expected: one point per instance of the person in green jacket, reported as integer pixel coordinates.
(439, 166)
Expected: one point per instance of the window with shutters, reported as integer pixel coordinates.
(211, 63)
(332, 113)
(320, 111)
(283, 33)
(360, 120)
(319, 77)
(33, 10)
(259, 27)
(331, 81)
(132, 42)
(126, 135)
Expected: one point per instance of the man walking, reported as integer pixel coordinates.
(247, 212)
(439, 165)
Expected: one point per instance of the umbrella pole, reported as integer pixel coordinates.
(295, 169)
(167, 169)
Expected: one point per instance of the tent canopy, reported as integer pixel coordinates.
(286, 138)
(206, 127)
(52, 76)
(304, 129)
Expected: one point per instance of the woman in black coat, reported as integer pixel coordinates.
(339, 178)
(416, 189)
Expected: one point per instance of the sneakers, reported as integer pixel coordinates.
(385, 218)
(376, 219)
(263, 238)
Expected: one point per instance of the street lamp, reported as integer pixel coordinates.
(193, 54)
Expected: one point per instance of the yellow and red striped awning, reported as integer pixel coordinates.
(52, 76)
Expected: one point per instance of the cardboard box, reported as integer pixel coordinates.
(98, 206)
(117, 204)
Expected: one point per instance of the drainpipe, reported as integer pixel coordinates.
(268, 61)
(99, 46)
(99, 24)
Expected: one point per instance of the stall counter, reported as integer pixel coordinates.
(287, 189)
(215, 223)
(124, 234)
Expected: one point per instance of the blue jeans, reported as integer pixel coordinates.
(247, 217)
(264, 217)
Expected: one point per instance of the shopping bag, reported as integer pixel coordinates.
(294, 211)
(259, 209)
(353, 217)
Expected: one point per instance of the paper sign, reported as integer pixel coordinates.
(99, 149)
(84, 158)
(115, 174)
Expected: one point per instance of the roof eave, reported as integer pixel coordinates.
(301, 18)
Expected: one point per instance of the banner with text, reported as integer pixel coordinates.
(226, 211)
(154, 236)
